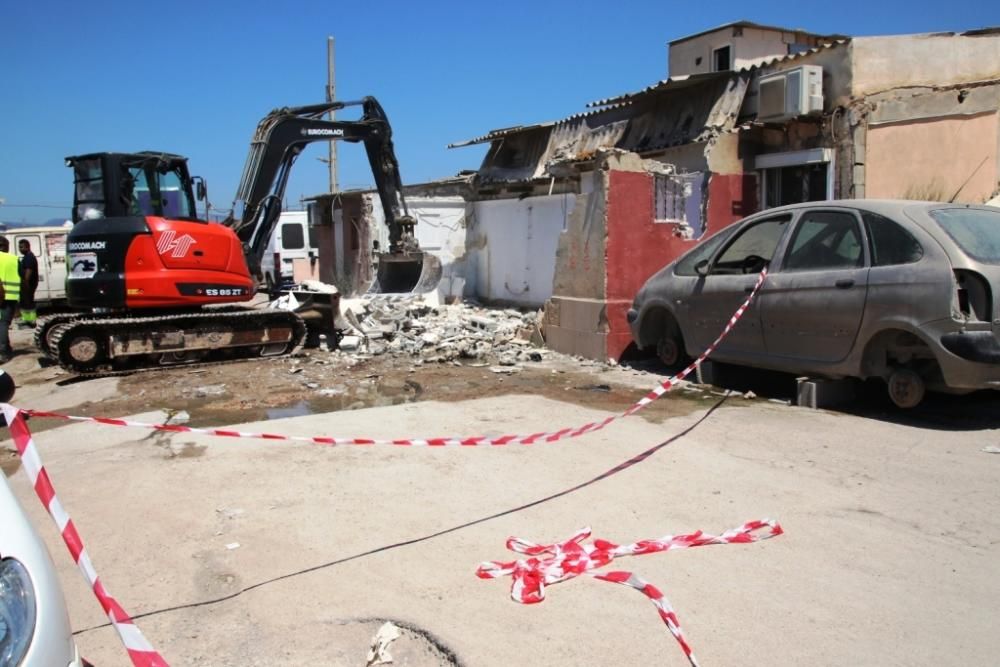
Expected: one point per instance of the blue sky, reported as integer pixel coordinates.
(195, 78)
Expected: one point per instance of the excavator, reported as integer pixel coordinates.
(160, 287)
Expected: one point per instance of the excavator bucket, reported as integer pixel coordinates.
(414, 273)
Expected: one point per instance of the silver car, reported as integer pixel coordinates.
(34, 622)
(900, 290)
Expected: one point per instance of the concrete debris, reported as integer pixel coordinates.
(408, 325)
(378, 653)
(210, 390)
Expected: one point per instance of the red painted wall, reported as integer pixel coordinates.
(637, 247)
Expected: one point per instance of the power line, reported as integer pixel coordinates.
(62, 206)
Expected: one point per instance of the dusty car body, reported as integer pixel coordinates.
(900, 290)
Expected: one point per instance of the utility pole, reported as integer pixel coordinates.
(331, 95)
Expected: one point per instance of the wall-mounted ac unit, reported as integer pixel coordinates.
(792, 93)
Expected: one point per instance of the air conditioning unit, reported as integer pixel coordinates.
(790, 94)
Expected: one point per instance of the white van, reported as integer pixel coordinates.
(49, 245)
(293, 250)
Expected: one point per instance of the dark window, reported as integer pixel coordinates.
(891, 244)
(721, 60)
(704, 251)
(89, 190)
(753, 247)
(313, 242)
(796, 184)
(825, 240)
(292, 237)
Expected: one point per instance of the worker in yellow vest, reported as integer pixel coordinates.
(10, 294)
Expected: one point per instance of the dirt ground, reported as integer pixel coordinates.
(247, 552)
(316, 381)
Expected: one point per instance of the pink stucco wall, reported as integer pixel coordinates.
(933, 159)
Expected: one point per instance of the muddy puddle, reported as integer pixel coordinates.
(274, 390)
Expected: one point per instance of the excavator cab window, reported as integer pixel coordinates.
(89, 190)
(158, 192)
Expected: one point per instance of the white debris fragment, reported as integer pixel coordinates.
(233, 545)
(378, 654)
(991, 449)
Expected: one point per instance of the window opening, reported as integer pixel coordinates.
(721, 60)
(795, 184)
(753, 248)
(825, 240)
(890, 243)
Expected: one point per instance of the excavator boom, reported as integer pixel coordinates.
(279, 139)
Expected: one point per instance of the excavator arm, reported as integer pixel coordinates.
(279, 139)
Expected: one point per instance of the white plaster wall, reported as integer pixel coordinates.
(881, 63)
(515, 247)
(751, 48)
(440, 230)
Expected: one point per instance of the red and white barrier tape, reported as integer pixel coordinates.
(139, 650)
(529, 576)
(552, 563)
(473, 441)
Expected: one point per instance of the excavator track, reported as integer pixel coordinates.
(46, 324)
(104, 345)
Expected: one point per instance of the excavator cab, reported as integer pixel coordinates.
(114, 185)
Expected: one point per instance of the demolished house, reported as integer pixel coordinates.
(810, 117)
(574, 215)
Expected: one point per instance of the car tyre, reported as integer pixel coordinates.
(906, 388)
(670, 350)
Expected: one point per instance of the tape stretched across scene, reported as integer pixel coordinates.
(140, 651)
(448, 441)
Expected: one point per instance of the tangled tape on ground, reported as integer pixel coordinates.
(139, 650)
(552, 563)
(473, 441)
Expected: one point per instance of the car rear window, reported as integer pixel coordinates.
(891, 244)
(975, 231)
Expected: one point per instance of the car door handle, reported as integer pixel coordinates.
(845, 283)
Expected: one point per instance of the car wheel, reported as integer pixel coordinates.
(670, 350)
(906, 388)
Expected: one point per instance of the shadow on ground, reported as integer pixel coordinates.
(976, 411)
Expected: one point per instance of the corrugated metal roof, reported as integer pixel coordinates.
(493, 135)
(697, 78)
(676, 82)
(656, 120)
(801, 54)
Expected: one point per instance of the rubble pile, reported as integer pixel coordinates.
(407, 325)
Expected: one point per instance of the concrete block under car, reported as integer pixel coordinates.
(710, 372)
(818, 393)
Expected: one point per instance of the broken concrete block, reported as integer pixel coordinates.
(818, 393)
(350, 343)
(483, 323)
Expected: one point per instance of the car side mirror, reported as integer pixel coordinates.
(701, 268)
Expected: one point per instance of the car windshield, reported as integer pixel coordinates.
(976, 231)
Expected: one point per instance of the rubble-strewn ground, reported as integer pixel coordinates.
(250, 552)
(398, 350)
